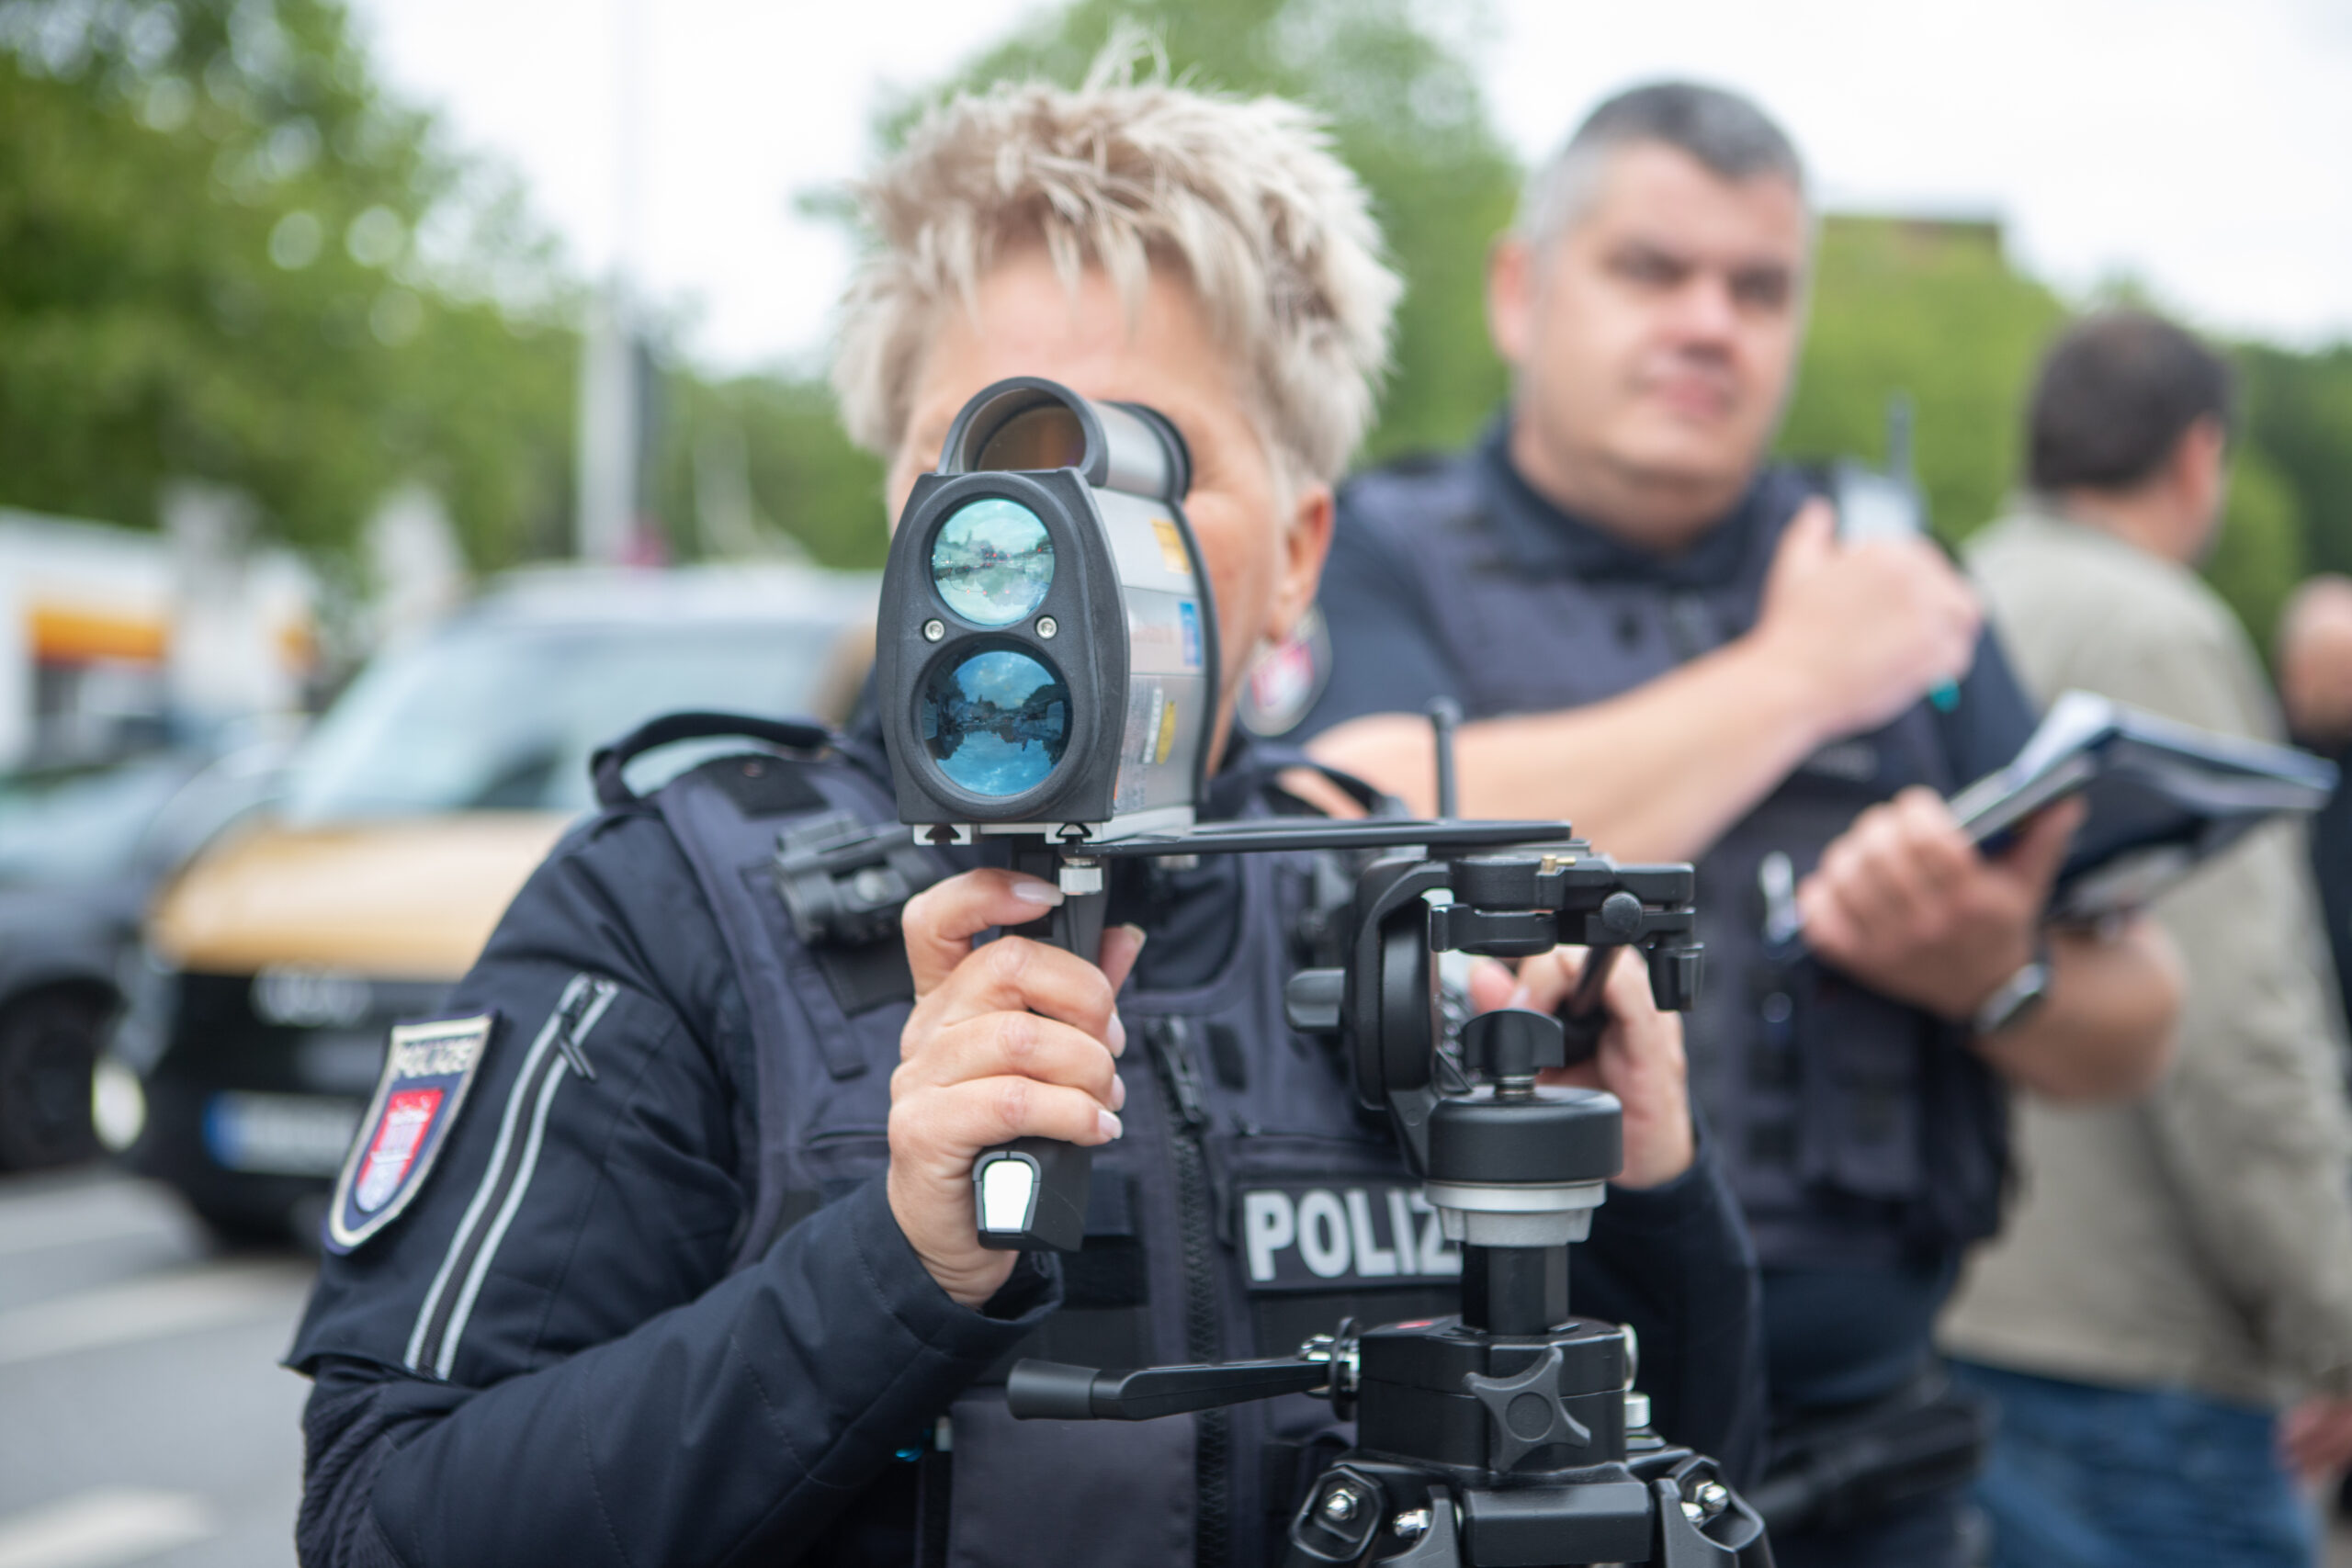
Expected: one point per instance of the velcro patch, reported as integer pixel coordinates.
(429, 1068)
(1298, 1236)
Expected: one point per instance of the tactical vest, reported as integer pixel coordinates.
(1857, 1131)
(1247, 1207)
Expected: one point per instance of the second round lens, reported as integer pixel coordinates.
(992, 562)
(997, 722)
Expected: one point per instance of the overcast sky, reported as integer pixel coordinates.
(2200, 146)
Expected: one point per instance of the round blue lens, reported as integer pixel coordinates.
(997, 722)
(992, 562)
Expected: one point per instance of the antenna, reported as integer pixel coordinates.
(1445, 717)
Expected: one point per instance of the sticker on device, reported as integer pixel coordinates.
(1302, 1237)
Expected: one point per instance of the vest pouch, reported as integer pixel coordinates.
(838, 1160)
(1045, 1494)
(1105, 1319)
(1859, 1069)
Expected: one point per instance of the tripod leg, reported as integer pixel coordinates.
(1682, 1544)
(1437, 1546)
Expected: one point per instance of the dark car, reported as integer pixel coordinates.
(80, 853)
(276, 962)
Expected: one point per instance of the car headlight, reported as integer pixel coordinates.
(117, 1104)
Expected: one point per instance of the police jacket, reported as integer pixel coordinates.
(1860, 1134)
(645, 1301)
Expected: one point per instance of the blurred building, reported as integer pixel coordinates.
(115, 639)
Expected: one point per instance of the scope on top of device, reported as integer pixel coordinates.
(1048, 656)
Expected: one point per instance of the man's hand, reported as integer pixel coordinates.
(1902, 902)
(1013, 1040)
(1866, 628)
(1640, 1060)
(2316, 1439)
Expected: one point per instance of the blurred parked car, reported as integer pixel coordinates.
(80, 851)
(277, 960)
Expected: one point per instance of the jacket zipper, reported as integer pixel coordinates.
(1179, 1080)
(450, 1303)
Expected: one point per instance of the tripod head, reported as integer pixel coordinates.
(1511, 1433)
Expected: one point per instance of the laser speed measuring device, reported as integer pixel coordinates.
(1047, 659)
(1047, 672)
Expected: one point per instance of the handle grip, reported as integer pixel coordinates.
(1030, 1195)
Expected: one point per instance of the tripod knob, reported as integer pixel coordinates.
(1559, 1136)
(1525, 1412)
(1512, 1043)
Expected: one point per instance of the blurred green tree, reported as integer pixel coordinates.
(759, 465)
(1932, 310)
(2298, 412)
(231, 257)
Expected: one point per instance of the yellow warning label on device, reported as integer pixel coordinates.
(1173, 553)
(1167, 733)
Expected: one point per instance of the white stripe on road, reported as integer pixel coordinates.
(31, 1234)
(100, 1528)
(61, 1216)
(151, 1308)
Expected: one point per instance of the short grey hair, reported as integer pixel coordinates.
(1727, 135)
(1273, 234)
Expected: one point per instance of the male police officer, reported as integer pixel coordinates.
(1654, 638)
(661, 1249)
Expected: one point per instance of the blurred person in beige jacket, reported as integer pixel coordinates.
(2177, 1271)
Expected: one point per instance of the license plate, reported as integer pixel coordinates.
(280, 1134)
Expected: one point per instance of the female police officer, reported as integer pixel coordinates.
(660, 1249)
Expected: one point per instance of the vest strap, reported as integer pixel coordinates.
(605, 765)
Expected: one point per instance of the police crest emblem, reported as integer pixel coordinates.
(1286, 679)
(427, 1070)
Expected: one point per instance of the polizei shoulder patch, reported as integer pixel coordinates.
(427, 1070)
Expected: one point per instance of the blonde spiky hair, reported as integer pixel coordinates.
(1272, 231)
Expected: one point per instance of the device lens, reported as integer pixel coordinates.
(997, 722)
(1045, 436)
(993, 562)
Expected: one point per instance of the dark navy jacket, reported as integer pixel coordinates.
(1866, 1141)
(572, 1346)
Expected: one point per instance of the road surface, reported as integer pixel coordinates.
(143, 1418)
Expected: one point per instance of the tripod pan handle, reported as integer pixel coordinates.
(1053, 1390)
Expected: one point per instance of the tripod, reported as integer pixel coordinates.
(1507, 1434)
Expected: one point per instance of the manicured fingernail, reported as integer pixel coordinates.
(1521, 997)
(1032, 890)
(1108, 1124)
(1118, 1033)
(1142, 935)
(1118, 1094)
